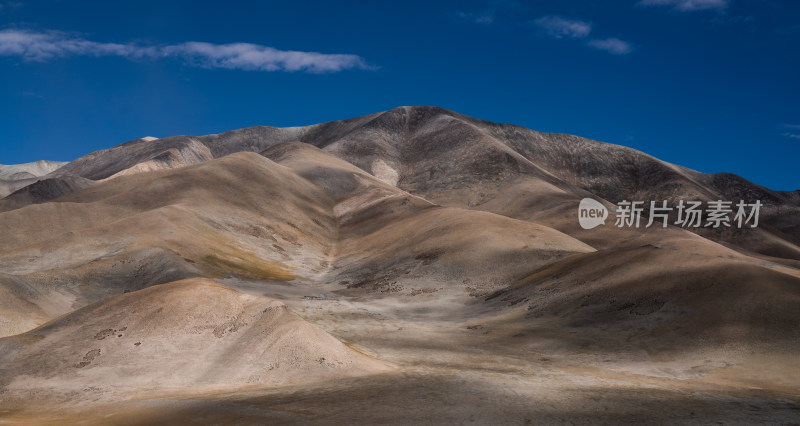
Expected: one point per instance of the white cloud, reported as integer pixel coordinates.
(612, 45)
(688, 5)
(558, 27)
(247, 56)
(43, 46)
(482, 18)
(791, 134)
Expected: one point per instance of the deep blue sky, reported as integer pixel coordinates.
(709, 84)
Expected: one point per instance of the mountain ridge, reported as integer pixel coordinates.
(457, 160)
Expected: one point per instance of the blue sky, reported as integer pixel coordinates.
(708, 84)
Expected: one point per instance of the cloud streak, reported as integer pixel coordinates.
(36, 46)
(792, 134)
(558, 27)
(254, 57)
(483, 18)
(687, 5)
(612, 45)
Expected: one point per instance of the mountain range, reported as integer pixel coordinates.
(410, 266)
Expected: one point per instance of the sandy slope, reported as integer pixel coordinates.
(286, 224)
(184, 336)
(392, 241)
(130, 233)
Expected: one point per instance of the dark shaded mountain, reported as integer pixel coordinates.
(18, 176)
(44, 190)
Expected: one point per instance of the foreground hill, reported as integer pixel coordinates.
(190, 334)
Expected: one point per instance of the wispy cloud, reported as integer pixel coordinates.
(611, 45)
(482, 18)
(562, 28)
(43, 46)
(558, 27)
(792, 133)
(688, 5)
(495, 12)
(254, 57)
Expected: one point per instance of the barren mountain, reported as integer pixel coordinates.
(29, 170)
(410, 266)
(455, 160)
(21, 175)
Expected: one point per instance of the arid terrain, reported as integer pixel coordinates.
(413, 266)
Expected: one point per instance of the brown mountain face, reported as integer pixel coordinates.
(412, 249)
